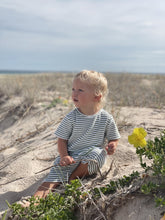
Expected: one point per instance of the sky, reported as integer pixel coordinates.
(72, 35)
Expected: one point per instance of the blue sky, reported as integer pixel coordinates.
(71, 35)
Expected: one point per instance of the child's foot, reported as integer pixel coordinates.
(25, 204)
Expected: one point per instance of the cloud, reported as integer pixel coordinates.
(79, 32)
(158, 52)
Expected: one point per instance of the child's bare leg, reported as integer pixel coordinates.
(45, 188)
(43, 191)
(80, 171)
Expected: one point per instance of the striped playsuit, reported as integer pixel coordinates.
(86, 135)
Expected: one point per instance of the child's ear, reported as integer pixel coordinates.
(98, 97)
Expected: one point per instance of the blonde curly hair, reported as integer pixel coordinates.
(95, 79)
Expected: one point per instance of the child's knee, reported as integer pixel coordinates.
(96, 161)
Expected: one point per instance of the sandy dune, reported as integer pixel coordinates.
(28, 145)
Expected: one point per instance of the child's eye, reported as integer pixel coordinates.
(73, 89)
(81, 90)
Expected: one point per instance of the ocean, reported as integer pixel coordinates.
(64, 71)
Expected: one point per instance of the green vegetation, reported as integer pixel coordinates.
(62, 206)
(155, 152)
(55, 206)
(113, 186)
(56, 101)
(53, 90)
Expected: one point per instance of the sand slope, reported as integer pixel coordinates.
(28, 145)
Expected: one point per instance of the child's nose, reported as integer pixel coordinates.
(75, 92)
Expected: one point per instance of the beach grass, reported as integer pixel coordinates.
(49, 95)
(125, 89)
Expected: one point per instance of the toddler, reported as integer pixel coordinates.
(82, 133)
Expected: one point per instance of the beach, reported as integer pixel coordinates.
(31, 108)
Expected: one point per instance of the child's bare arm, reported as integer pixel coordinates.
(111, 147)
(62, 149)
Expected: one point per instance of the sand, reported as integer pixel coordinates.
(28, 145)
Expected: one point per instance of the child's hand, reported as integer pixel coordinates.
(111, 147)
(66, 160)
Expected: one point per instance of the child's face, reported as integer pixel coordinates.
(82, 95)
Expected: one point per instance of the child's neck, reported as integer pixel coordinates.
(90, 111)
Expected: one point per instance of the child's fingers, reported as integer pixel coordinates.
(66, 161)
(110, 148)
(71, 160)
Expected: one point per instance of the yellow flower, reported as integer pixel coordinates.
(137, 138)
(65, 102)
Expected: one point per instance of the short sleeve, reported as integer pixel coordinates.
(112, 132)
(64, 130)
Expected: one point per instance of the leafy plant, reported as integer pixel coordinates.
(55, 206)
(62, 206)
(4, 216)
(160, 201)
(154, 151)
(56, 101)
(113, 186)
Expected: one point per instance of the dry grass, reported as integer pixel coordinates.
(43, 90)
(124, 89)
(33, 89)
(137, 90)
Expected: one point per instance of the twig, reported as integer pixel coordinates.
(110, 168)
(87, 160)
(2, 184)
(90, 197)
(27, 110)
